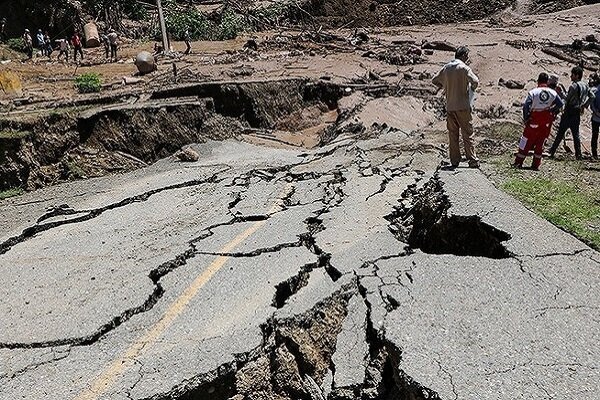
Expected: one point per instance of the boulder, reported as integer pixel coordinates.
(145, 62)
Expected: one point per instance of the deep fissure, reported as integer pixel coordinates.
(424, 222)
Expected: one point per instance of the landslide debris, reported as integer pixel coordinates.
(58, 146)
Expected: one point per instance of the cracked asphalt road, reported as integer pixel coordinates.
(168, 283)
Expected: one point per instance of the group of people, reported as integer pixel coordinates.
(64, 46)
(545, 102)
(541, 108)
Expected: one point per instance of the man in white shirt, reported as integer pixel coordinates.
(459, 83)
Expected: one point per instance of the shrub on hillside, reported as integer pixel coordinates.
(200, 26)
(16, 44)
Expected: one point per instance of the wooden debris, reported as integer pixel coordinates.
(439, 45)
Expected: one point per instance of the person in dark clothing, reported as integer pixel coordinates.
(48, 44)
(578, 99)
(595, 84)
(3, 36)
(187, 38)
(106, 44)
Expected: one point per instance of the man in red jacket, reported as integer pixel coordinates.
(77, 46)
(539, 111)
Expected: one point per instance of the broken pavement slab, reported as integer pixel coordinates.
(352, 350)
(476, 327)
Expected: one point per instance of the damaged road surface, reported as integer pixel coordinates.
(353, 271)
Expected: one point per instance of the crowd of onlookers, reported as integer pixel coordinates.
(43, 45)
(46, 46)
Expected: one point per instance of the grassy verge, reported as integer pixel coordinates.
(561, 203)
(5, 194)
(9, 134)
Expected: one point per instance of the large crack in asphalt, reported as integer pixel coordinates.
(296, 353)
(306, 239)
(31, 231)
(423, 221)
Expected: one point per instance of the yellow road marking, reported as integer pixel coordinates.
(118, 367)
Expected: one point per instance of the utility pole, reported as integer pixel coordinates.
(163, 27)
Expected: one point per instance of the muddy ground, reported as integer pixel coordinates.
(51, 133)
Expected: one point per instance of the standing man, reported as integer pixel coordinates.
(28, 42)
(77, 46)
(459, 83)
(106, 44)
(595, 83)
(41, 42)
(539, 111)
(187, 38)
(578, 98)
(3, 36)
(113, 39)
(553, 83)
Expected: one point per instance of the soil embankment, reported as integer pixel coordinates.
(44, 149)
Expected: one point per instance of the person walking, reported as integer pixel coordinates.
(28, 43)
(578, 99)
(595, 83)
(48, 45)
(539, 111)
(459, 83)
(63, 49)
(77, 46)
(113, 39)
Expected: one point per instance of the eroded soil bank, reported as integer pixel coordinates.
(50, 146)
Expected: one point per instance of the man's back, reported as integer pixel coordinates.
(458, 80)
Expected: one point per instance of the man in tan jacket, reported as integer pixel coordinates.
(459, 83)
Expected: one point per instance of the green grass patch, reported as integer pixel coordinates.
(10, 134)
(506, 130)
(12, 192)
(88, 83)
(561, 203)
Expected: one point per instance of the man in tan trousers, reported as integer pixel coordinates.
(459, 83)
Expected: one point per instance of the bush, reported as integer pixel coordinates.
(231, 25)
(200, 26)
(16, 44)
(88, 83)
